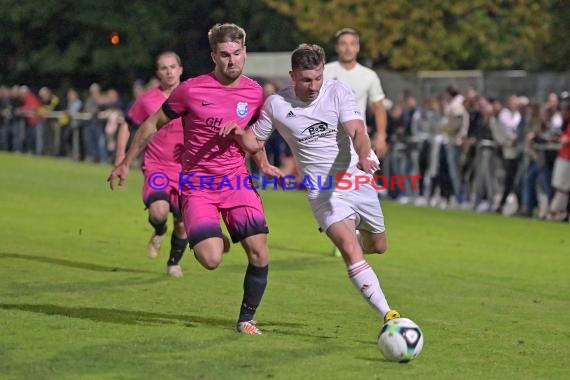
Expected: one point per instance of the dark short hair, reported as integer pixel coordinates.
(225, 33)
(307, 57)
(165, 53)
(344, 31)
(452, 90)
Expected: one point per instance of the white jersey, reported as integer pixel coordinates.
(313, 131)
(363, 81)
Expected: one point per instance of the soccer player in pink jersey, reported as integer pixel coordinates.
(161, 155)
(214, 167)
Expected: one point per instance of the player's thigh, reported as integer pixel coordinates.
(161, 201)
(243, 214)
(201, 217)
(329, 209)
(366, 204)
(209, 252)
(374, 242)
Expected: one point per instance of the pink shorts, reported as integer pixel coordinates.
(241, 210)
(162, 185)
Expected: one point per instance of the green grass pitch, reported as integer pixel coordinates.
(79, 299)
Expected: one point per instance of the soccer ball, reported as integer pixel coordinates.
(400, 340)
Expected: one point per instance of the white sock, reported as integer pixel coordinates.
(366, 281)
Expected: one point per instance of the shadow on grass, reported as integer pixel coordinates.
(131, 317)
(69, 263)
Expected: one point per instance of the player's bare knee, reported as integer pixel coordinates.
(208, 262)
(258, 257)
(348, 247)
(380, 246)
(159, 211)
(210, 265)
(180, 230)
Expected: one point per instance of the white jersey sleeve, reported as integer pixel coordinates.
(375, 91)
(348, 104)
(263, 127)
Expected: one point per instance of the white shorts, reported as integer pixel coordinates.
(361, 205)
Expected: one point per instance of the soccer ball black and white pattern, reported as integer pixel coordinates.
(401, 340)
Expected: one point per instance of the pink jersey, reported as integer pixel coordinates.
(205, 106)
(165, 148)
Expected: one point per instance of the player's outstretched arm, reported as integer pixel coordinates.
(122, 139)
(380, 118)
(357, 132)
(244, 137)
(142, 137)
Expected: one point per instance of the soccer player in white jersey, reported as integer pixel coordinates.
(363, 81)
(323, 125)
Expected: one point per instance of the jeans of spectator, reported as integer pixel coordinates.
(484, 182)
(413, 169)
(442, 179)
(31, 139)
(511, 167)
(401, 164)
(468, 172)
(18, 132)
(423, 163)
(40, 142)
(4, 135)
(535, 175)
(96, 145)
(452, 157)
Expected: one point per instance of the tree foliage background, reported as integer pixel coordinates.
(64, 42)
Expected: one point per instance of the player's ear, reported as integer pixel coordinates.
(291, 74)
(213, 55)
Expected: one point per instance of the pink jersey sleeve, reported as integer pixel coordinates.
(137, 114)
(177, 103)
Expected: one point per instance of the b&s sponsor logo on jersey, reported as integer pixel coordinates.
(315, 131)
(242, 109)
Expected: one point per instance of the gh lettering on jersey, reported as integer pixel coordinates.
(214, 121)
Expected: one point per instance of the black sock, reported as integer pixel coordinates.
(177, 248)
(254, 285)
(159, 228)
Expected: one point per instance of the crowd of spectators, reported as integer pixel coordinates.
(472, 152)
(477, 153)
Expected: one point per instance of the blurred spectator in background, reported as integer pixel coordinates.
(73, 126)
(456, 129)
(48, 133)
(96, 145)
(484, 182)
(552, 108)
(5, 116)
(510, 122)
(363, 81)
(467, 159)
(561, 177)
(29, 110)
(111, 111)
(536, 171)
(425, 131)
